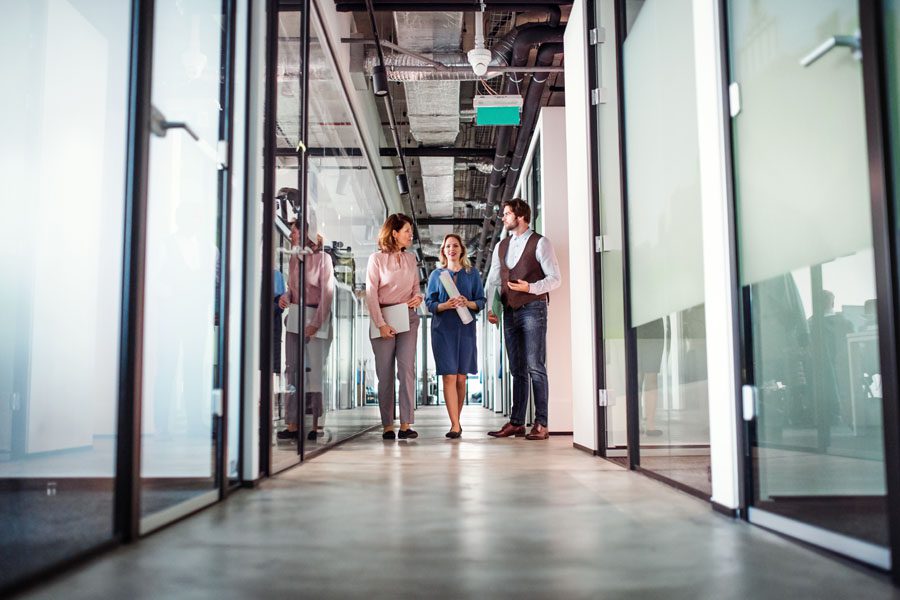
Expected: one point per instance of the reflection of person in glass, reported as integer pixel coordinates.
(452, 341)
(392, 278)
(828, 332)
(319, 289)
(650, 345)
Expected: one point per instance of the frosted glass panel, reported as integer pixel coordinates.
(62, 164)
(665, 243)
(787, 141)
(180, 318)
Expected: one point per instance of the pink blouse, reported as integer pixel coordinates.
(319, 283)
(390, 281)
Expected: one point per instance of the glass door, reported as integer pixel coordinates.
(181, 372)
(814, 403)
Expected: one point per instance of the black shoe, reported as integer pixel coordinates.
(388, 435)
(453, 434)
(311, 436)
(284, 434)
(408, 434)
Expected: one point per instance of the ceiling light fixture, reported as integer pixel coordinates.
(379, 81)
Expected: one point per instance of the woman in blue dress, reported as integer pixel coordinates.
(452, 342)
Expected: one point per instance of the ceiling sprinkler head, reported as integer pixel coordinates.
(479, 58)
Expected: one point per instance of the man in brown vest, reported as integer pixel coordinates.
(525, 269)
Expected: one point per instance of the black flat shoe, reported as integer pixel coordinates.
(311, 436)
(284, 434)
(409, 434)
(388, 435)
(453, 434)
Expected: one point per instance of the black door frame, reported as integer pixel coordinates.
(884, 237)
(591, 23)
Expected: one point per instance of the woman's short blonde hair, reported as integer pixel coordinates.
(463, 256)
(394, 222)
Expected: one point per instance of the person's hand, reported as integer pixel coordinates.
(309, 331)
(414, 301)
(387, 331)
(518, 286)
(461, 301)
(282, 303)
(492, 318)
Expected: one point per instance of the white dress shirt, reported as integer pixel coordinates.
(545, 255)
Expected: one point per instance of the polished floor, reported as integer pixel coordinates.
(472, 518)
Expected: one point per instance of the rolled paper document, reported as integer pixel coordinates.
(453, 292)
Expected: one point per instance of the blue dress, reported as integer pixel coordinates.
(453, 343)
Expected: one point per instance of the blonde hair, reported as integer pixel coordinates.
(463, 256)
(394, 222)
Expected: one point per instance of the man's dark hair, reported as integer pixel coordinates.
(519, 208)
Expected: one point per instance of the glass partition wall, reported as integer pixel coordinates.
(62, 159)
(324, 391)
(109, 311)
(807, 274)
(664, 243)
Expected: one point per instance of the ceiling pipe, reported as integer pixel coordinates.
(522, 43)
(449, 5)
(389, 107)
(530, 109)
(546, 55)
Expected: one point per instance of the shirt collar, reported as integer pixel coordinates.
(523, 236)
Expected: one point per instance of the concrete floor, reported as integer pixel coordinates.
(473, 518)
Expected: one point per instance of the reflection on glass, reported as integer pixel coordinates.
(665, 241)
(807, 267)
(62, 160)
(182, 276)
(343, 211)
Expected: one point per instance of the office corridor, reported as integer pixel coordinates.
(473, 518)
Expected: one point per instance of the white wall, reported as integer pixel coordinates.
(580, 280)
(555, 220)
(717, 274)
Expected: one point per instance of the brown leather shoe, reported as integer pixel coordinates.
(508, 430)
(538, 432)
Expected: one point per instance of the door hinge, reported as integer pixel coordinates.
(598, 96)
(222, 154)
(748, 400)
(734, 99)
(597, 35)
(599, 243)
(217, 402)
(602, 398)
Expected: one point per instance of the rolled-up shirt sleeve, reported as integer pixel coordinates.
(373, 281)
(546, 256)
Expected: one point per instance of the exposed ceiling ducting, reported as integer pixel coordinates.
(433, 106)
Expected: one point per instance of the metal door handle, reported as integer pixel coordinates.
(846, 41)
(159, 125)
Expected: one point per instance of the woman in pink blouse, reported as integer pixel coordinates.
(392, 277)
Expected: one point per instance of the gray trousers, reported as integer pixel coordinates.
(316, 351)
(396, 358)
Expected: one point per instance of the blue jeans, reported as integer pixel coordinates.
(525, 330)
